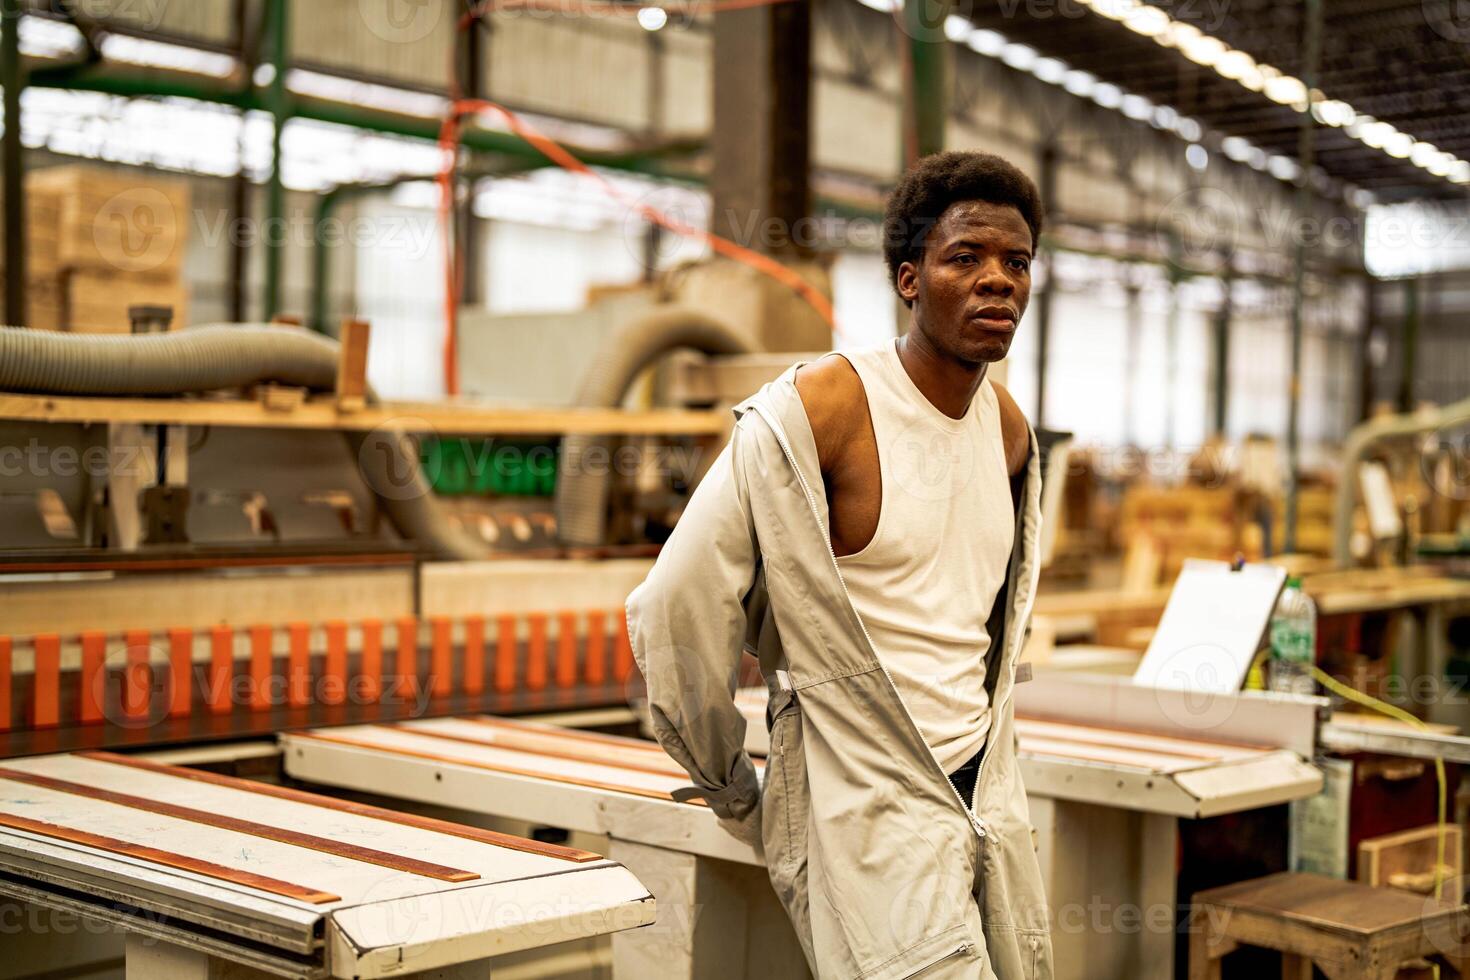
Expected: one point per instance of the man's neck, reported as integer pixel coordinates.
(950, 385)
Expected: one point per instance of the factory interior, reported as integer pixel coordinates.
(422, 446)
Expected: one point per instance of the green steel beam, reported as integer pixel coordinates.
(927, 94)
(12, 158)
(1311, 58)
(279, 103)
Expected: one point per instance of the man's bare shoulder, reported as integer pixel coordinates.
(834, 399)
(1015, 431)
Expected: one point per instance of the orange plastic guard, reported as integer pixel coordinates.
(566, 649)
(505, 655)
(441, 667)
(94, 676)
(138, 679)
(5, 644)
(261, 656)
(46, 695)
(371, 665)
(334, 678)
(407, 665)
(596, 648)
(298, 665)
(536, 652)
(474, 655)
(221, 669)
(180, 672)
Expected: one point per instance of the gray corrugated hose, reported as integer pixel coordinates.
(231, 356)
(582, 482)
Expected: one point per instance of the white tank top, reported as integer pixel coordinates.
(925, 584)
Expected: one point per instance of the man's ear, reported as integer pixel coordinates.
(907, 282)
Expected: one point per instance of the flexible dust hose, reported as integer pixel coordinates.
(232, 356)
(583, 473)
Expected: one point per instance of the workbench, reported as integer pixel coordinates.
(1110, 769)
(1105, 803)
(211, 876)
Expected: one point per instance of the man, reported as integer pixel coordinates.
(870, 535)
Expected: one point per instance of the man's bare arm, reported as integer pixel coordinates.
(1014, 431)
(833, 396)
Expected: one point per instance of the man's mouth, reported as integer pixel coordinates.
(995, 318)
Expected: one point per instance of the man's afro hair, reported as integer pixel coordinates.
(934, 183)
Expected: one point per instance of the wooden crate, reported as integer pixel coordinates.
(1406, 860)
(116, 221)
(43, 303)
(43, 215)
(97, 302)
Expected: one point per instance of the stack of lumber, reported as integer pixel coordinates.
(101, 241)
(43, 267)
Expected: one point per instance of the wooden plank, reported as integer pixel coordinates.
(168, 859)
(443, 418)
(548, 747)
(353, 852)
(507, 841)
(605, 784)
(352, 365)
(1095, 735)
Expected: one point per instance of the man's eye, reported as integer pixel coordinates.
(1020, 265)
(964, 258)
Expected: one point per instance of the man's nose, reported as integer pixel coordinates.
(994, 281)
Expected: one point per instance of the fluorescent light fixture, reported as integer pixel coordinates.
(42, 38)
(957, 28)
(1377, 134)
(1236, 148)
(1234, 64)
(1422, 154)
(1283, 168)
(1256, 158)
(1399, 146)
(1460, 172)
(1286, 90)
(1204, 50)
(157, 54)
(1137, 107)
(264, 74)
(1018, 56)
(1164, 117)
(1049, 70)
(988, 43)
(335, 88)
(1333, 112)
(1146, 20)
(882, 6)
(652, 18)
(1442, 165)
(1107, 95)
(1189, 129)
(1196, 157)
(1079, 83)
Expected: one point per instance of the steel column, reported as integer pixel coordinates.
(1222, 349)
(926, 92)
(12, 156)
(1409, 362)
(1311, 57)
(1048, 182)
(761, 138)
(278, 101)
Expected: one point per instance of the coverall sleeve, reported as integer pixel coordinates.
(687, 626)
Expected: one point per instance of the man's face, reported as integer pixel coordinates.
(972, 284)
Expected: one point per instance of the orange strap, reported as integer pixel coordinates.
(474, 655)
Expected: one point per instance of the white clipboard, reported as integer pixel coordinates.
(1213, 624)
